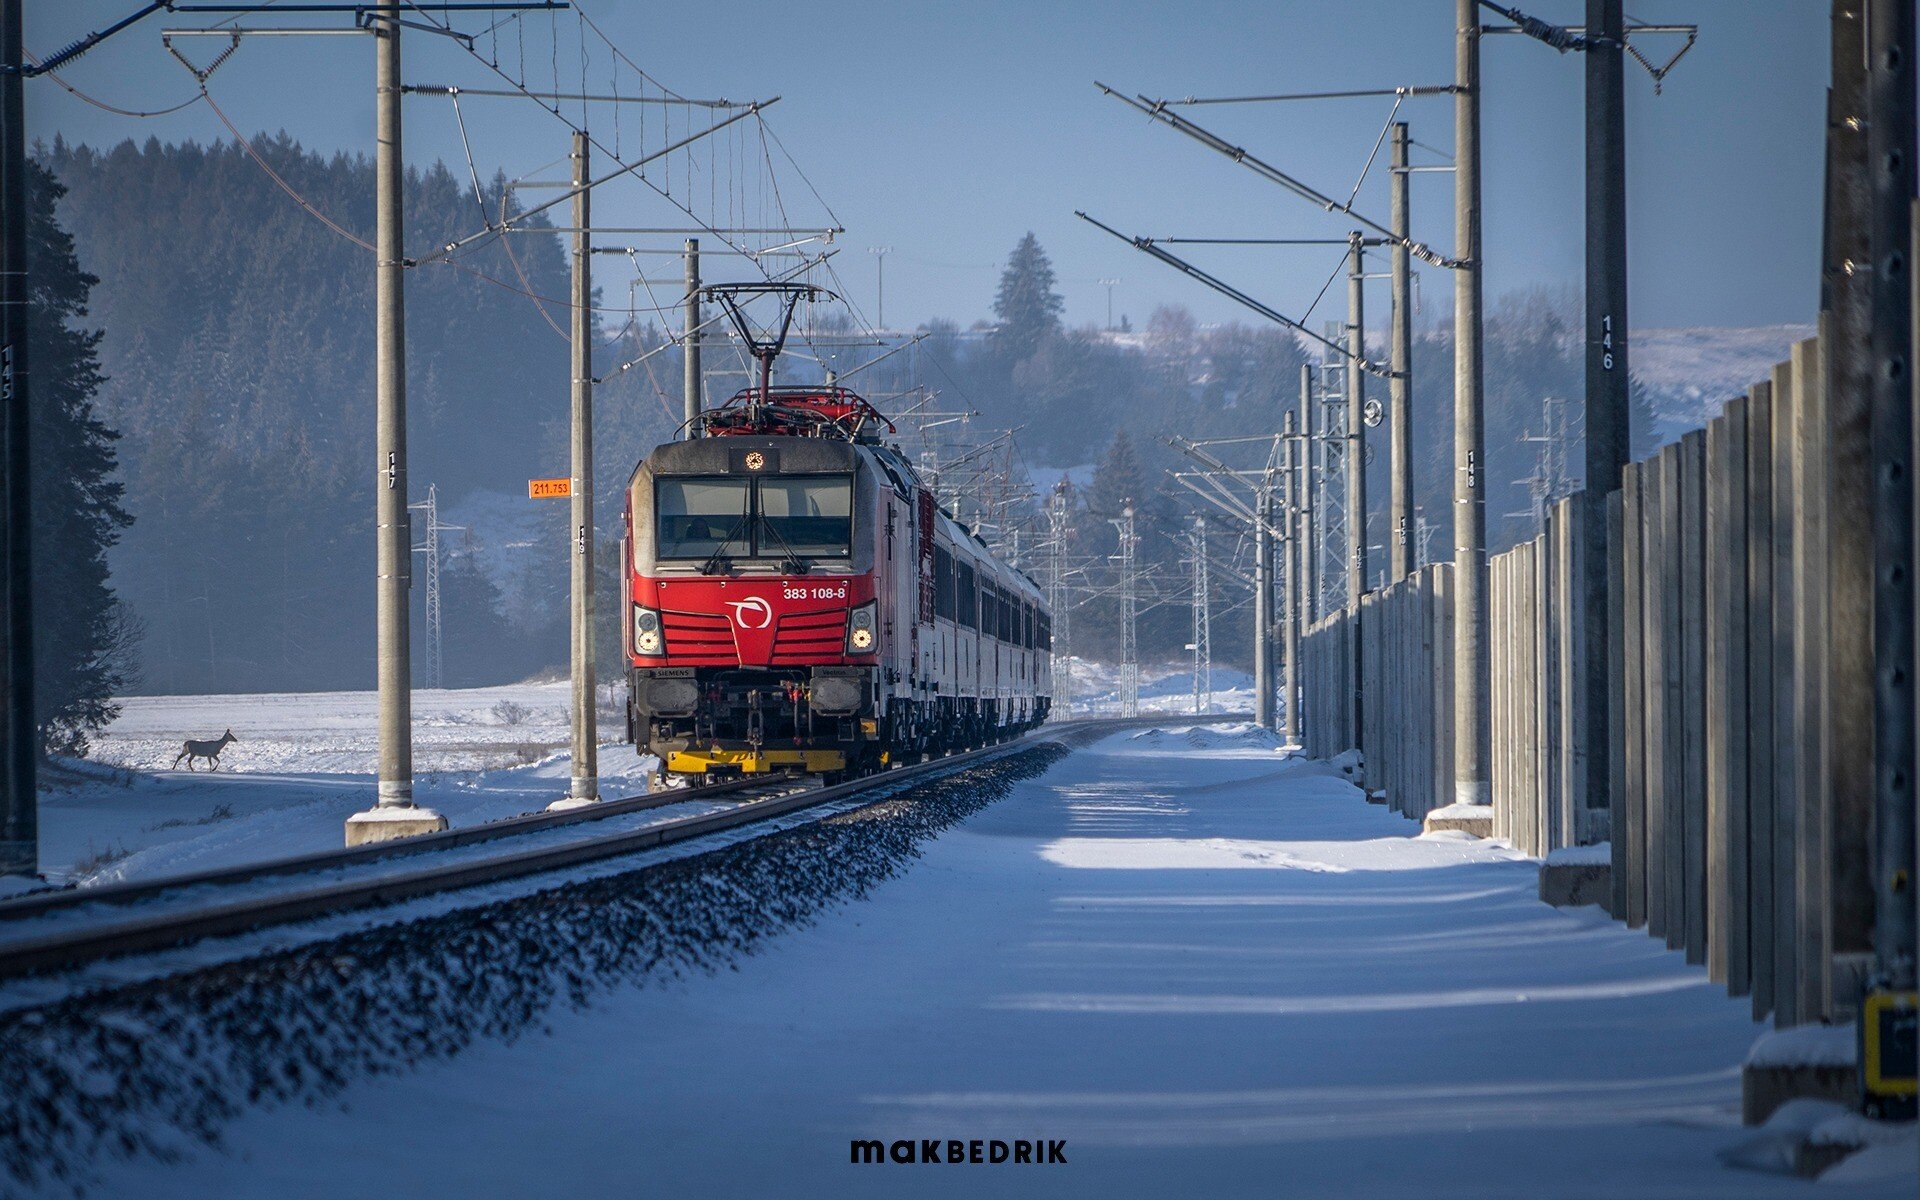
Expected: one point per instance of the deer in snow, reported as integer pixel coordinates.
(210, 751)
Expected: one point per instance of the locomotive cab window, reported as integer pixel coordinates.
(701, 516)
(807, 516)
(726, 516)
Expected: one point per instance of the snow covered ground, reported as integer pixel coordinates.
(303, 763)
(1690, 373)
(1164, 688)
(1210, 969)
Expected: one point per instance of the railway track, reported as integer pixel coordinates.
(51, 931)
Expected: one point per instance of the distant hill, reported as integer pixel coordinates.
(238, 352)
(1690, 373)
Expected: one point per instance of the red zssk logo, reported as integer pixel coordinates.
(751, 613)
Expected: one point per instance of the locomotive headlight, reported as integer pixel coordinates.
(860, 628)
(646, 632)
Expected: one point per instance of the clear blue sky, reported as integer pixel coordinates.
(948, 131)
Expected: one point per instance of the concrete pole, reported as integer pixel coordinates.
(1470, 672)
(19, 735)
(1846, 326)
(1129, 615)
(395, 525)
(1309, 550)
(584, 787)
(1290, 652)
(1400, 398)
(690, 346)
(1193, 543)
(1356, 451)
(1890, 156)
(1609, 437)
(1356, 460)
(19, 731)
(394, 814)
(1263, 610)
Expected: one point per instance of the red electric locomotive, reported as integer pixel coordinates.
(796, 601)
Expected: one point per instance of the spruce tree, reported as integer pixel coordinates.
(239, 351)
(1119, 478)
(1027, 306)
(83, 639)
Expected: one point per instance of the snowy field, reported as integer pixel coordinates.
(1164, 688)
(302, 764)
(1210, 969)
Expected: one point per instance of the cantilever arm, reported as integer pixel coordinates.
(1147, 246)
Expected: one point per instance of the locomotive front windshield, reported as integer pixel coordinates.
(805, 515)
(700, 517)
(731, 516)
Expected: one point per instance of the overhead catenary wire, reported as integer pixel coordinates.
(749, 109)
(444, 89)
(1442, 89)
(115, 109)
(1147, 246)
(627, 169)
(679, 101)
(736, 200)
(526, 288)
(1157, 109)
(521, 87)
(716, 319)
(286, 187)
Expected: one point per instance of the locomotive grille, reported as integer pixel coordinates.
(700, 639)
(706, 639)
(808, 637)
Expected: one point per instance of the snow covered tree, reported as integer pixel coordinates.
(83, 638)
(1027, 305)
(240, 362)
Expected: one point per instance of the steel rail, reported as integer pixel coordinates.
(35, 904)
(142, 932)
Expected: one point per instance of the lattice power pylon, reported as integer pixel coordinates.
(1550, 481)
(1331, 497)
(436, 662)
